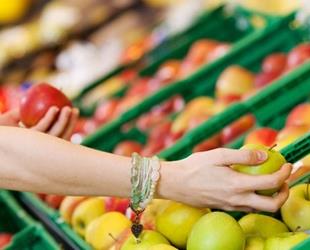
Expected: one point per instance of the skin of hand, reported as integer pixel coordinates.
(206, 180)
(59, 123)
(202, 180)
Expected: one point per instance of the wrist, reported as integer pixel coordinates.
(169, 183)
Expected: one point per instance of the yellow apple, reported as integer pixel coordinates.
(148, 239)
(102, 232)
(68, 205)
(285, 241)
(290, 134)
(163, 247)
(176, 222)
(261, 225)
(85, 213)
(296, 210)
(272, 164)
(215, 231)
(254, 243)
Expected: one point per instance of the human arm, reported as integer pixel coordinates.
(40, 163)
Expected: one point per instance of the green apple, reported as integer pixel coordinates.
(216, 231)
(296, 210)
(148, 239)
(285, 241)
(261, 225)
(176, 222)
(162, 247)
(254, 243)
(273, 164)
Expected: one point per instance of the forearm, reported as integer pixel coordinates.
(36, 162)
(40, 163)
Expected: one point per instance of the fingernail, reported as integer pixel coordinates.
(56, 109)
(261, 155)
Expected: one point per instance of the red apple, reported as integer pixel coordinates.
(200, 50)
(172, 138)
(298, 55)
(263, 136)
(299, 116)
(290, 134)
(264, 78)
(5, 239)
(153, 147)
(160, 131)
(105, 111)
(140, 87)
(150, 120)
(211, 143)
(127, 148)
(127, 103)
(42, 196)
(54, 201)
(219, 51)
(85, 126)
(128, 75)
(168, 71)
(37, 100)
(116, 204)
(237, 128)
(275, 62)
(174, 104)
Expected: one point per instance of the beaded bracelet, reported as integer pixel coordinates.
(144, 177)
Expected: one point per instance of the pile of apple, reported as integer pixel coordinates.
(170, 225)
(202, 52)
(234, 84)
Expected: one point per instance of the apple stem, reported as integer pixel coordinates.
(296, 229)
(272, 147)
(115, 240)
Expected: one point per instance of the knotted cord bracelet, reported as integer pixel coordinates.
(144, 178)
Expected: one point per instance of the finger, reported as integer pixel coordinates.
(268, 203)
(60, 125)
(14, 114)
(239, 209)
(45, 123)
(262, 182)
(225, 156)
(73, 119)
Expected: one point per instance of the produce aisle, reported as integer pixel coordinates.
(166, 78)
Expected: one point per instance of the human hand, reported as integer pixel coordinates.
(59, 123)
(206, 180)
(10, 118)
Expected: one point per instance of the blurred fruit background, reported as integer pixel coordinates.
(167, 77)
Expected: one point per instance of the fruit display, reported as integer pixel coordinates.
(219, 77)
(169, 121)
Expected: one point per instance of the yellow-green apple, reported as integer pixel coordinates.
(299, 116)
(68, 205)
(285, 241)
(85, 213)
(216, 231)
(290, 134)
(261, 225)
(219, 106)
(156, 207)
(176, 222)
(274, 162)
(148, 239)
(254, 243)
(200, 106)
(296, 210)
(104, 231)
(162, 247)
(233, 83)
(263, 136)
(237, 128)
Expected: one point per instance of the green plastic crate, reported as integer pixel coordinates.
(234, 27)
(203, 83)
(27, 233)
